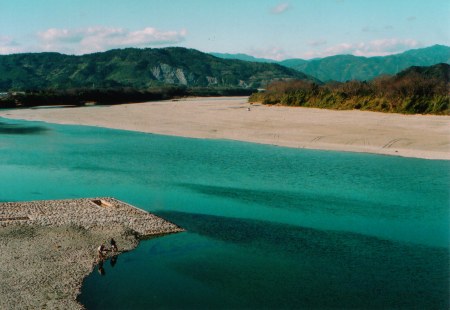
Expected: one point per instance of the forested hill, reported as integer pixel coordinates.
(439, 72)
(343, 68)
(135, 68)
(347, 67)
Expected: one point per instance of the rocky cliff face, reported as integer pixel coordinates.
(171, 75)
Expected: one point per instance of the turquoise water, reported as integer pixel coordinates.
(267, 227)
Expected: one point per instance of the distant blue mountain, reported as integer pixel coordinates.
(348, 67)
(244, 57)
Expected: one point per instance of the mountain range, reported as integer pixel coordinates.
(135, 68)
(243, 57)
(348, 67)
(146, 68)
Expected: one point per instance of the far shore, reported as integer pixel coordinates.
(419, 136)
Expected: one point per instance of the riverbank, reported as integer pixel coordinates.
(420, 136)
(48, 247)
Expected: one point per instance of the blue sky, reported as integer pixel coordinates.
(262, 28)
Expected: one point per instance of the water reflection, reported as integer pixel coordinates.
(101, 270)
(101, 267)
(113, 260)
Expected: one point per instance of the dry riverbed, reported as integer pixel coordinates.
(48, 247)
(422, 136)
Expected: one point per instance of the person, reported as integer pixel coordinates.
(113, 245)
(100, 251)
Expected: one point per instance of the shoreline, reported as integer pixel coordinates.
(48, 247)
(233, 118)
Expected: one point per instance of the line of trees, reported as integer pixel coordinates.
(79, 97)
(403, 93)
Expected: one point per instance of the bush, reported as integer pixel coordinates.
(407, 93)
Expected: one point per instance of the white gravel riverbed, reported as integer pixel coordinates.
(48, 247)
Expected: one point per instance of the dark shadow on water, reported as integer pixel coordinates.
(294, 238)
(68, 106)
(307, 202)
(332, 269)
(16, 129)
(46, 107)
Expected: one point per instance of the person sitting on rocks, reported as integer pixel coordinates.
(113, 245)
(101, 250)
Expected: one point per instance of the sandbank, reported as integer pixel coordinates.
(48, 247)
(421, 136)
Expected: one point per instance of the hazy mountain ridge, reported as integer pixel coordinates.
(348, 67)
(135, 68)
(244, 57)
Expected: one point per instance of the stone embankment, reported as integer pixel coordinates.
(48, 247)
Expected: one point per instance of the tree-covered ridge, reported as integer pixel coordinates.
(135, 68)
(348, 67)
(422, 90)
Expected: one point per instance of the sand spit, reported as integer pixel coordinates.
(422, 136)
(48, 247)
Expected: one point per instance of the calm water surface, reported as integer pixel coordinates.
(267, 227)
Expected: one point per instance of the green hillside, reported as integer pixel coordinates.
(135, 68)
(439, 72)
(348, 67)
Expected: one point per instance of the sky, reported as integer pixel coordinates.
(261, 28)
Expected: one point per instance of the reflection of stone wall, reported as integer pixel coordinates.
(87, 213)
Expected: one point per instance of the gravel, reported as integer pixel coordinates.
(48, 247)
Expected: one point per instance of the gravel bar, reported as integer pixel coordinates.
(47, 247)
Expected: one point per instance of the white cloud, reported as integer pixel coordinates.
(280, 8)
(317, 42)
(9, 46)
(386, 47)
(381, 47)
(94, 39)
(275, 53)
